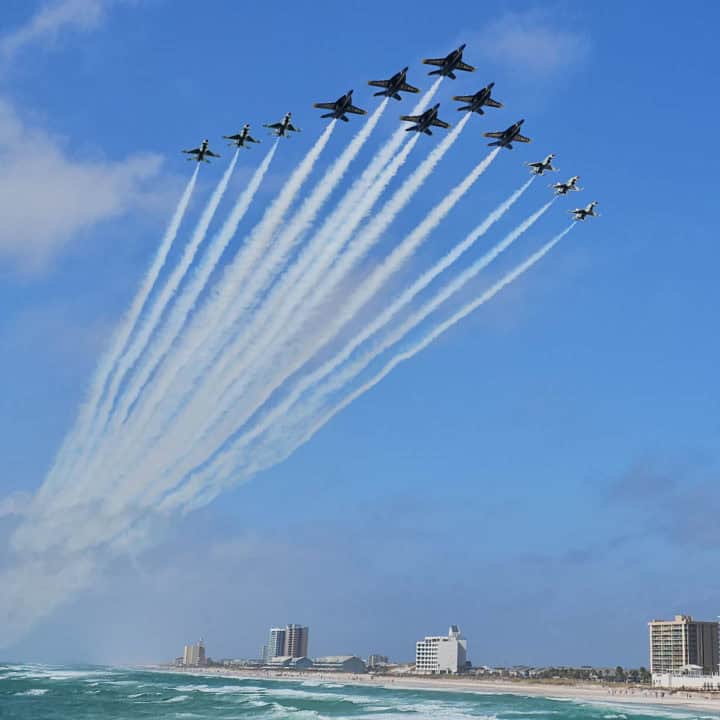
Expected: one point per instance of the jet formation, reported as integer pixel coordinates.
(542, 166)
(284, 127)
(202, 153)
(341, 106)
(445, 67)
(586, 212)
(241, 138)
(566, 187)
(424, 121)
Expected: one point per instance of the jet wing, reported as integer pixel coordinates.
(434, 61)
(251, 139)
(355, 110)
(210, 153)
(274, 126)
(440, 123)
(232, 137)
(498, 135)
(464, 66)
(411, 118)
(379, 83)
(464, 98)
(409, 88)
(493, 103)
(325, 106)
(291, 127)
(521, 138)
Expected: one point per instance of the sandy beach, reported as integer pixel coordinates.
(581, 692)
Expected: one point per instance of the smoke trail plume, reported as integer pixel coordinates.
(68, 452)
(232, 391)
(226, 463)
(158, 307)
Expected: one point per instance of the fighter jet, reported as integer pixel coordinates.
(394, 86)
(449, 64)
(566, 187)
(538, 168)
(425, 121)
(202, 153)
(282, 128)
(241, 138)
(475, 102)
(582, 213)
(341, 106)
(507, 137)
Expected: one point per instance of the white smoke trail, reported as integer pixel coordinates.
(230, 396)
(226, 463)
(119, 450)
(231, 391)
(357, 249)
(187, 300)
(269, 265)
(200, 342)
(435, 302)
(71, 446)
(396, 306)
(148, 326)
(203, 405)
(216, 392)
(356, 194)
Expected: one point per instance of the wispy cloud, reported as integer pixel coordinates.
(47, 197)
(15, 504)
(533, 44)
(49, 21)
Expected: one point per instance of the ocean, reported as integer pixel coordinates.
(39, 692)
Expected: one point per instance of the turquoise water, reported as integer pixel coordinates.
(35, 692)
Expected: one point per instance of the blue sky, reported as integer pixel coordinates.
(549, 462)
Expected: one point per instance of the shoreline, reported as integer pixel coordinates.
(579, 693)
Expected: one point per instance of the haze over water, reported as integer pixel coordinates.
(75, 693)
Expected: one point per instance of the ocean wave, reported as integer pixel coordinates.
(530, 712)
(34, 692)
(177, 699)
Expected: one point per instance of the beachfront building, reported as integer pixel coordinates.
(340, 663)
(691, 677)
(677, 644)
(296, 640)
(194, 655)
(285, 662)
(440, 654)
(288, 641)
(275, 645)
(377, 661)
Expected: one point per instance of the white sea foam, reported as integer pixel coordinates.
(177, 699)
(33, 692)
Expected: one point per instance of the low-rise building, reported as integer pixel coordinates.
(440, 654)
(691, 677)
(340, 663)
(290, 663)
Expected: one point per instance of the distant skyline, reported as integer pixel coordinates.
(545, 471)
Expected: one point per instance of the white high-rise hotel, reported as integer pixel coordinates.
(441, 654)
